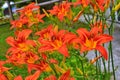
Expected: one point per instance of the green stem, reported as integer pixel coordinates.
(96, 65)
(112, 60)
(100, 68)
(103, 60)
(86, 19)
(81, 65)
(109, 59)
(104, 23)
(104, 65)
(111, 52)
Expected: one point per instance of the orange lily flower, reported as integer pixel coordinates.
(46, 33)
(20, 43)
(100, 4)
(31, 57)
(28, 17)
(16, 24)
(53, 40)
(84, 3)
(16, 58)
(19, 23)
(92, 39)
(27, 10)
(61, 10)
(35, 19)
(22, 58)
(42, 66)
(99, 25)
(39, 17)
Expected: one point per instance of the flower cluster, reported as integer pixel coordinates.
(96, 4)
(23, 50)
(46, 51)
(29, 16)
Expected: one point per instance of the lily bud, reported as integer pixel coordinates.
(95, 59)
(117, 7)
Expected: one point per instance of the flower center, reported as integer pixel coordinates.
(31, 60)
(46, 36)
(23, 47)
(56, 44)
(90, 43)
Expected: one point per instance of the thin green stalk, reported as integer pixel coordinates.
(111, 56)
(86, 19)
(109, 59)
(112, 60)
(99, 64)
(105, 70)
(110, 44)
(100, 68)
(96, 65)
(104, 22)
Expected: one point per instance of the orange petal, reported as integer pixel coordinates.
(2, 77)
(24, 34)
(54, 61)
(63, 50)
(10, 40)
(102, 50)
(35, 76)
(103, 39)
(51, 77)
(18, 78)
